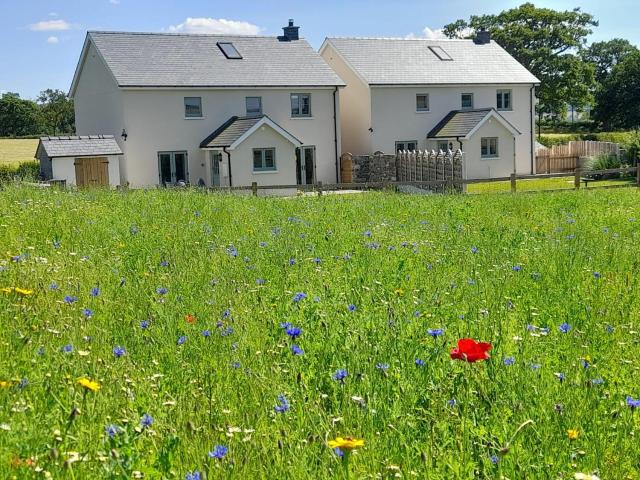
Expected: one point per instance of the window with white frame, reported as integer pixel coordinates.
(193, 107)
(466, 100)
(444, 145)
(503, 100)
(264, 159)
(409, 145)
(422, 102)
(300, 104)
(489, 147)
(254, 106)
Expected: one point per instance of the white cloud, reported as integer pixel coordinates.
(430, 34)
(53, 40)
(50, 26)
(215, 25)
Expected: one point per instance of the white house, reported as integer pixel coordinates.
(211, 109)
(407, 94)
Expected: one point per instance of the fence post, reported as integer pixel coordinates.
(254, 188)
(513, 183)
(638, 174)
(576, 178)
(319, 189)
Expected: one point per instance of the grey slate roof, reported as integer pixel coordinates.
(396, 61)
(458, 123)
(179, 60)
(232, 130)
(83, 146)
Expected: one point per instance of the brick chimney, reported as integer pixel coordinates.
(482, 37)
(290, 32)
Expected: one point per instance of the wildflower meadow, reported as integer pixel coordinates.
(190, 335)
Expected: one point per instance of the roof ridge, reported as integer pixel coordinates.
(406, 39)
(181, 34)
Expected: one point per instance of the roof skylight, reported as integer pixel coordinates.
(229, 50)
(440, 52)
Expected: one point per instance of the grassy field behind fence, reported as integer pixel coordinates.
(184, 307)
(15, 151)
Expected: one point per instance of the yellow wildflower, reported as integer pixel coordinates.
(23, 291)
(5, 384)
(346, 443)
(6, 289)
(573, 434)
(89, 384)
(398, 291)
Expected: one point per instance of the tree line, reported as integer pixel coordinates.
(50, 114)
(553, 46)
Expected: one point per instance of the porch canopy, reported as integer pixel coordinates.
(237, 129)
(463, 124)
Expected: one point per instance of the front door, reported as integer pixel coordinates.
(216, 160)
(92, 172)
(305, 165)
(173, 167)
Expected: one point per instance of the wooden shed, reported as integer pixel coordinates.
(85, 161)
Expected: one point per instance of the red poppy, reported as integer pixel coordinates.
(471, 351)
(190, 319)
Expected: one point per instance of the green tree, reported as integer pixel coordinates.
(545, 41)
(18, 116)
(606, 55)
(56, 111)
(618, 98)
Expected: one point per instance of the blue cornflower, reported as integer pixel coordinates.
(41, 351)
(219, 451)
(182, 339)
(316, 299)
(23, 383)
(119, 351)
(351, 307)
(339, 453)
(133, 229)
(164, 263)
(112, 430)
(508, 361)
(317, 260)
(292, 261)
(452, 403)
(53, 286)
(144, 324)
(297, 350)
(367, 233)
(544, 330)
(235, 365)
(373, 245)
(420, 362)
(474, 249)
(232, 251)
(417, 314)
(206, 333)
(293, 332)
(340, 375)
(69, 299)
(226, 313)
(516, 268)
(95, 291)
(560, 376)
(565, 328)
(494, 459)
(283, 404)
(285, 325)
(610, 329)
(161, 291)
(260, 281)
(382, 366)
(632, 403)
(596, 275)
(262, 244)
(535, 366)
(195, 475)
(585, 363)
(67, 348)
(435, 332)
(87, 312)
(597, 381)
(299, 296)
(56, 244)
(146, 420)
(226, 332)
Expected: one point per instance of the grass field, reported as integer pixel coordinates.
(235, 337)
(15, 151)
(540, 184)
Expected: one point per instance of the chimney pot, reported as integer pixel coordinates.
(483, 37)
(290, 32)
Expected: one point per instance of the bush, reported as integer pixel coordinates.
(22, 171)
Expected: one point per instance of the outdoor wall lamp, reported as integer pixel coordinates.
(124, 135)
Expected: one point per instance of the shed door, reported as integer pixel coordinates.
(92, 172)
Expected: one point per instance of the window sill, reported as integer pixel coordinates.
(260, 172)
(194, 118)
(309, 117)
(504, 109)
(423, 111)
(489, 158)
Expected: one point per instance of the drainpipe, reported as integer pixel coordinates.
(533, 127)
(224, 149)
(459, 142)
(335, 133)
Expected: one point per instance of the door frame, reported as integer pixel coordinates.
(172, 165)
(212, 160)
(300, 151)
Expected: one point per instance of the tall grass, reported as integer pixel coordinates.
(213, 278)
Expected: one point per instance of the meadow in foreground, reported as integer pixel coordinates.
(178, 334)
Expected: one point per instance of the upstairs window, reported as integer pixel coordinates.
(254, 106)
(504, 100)
(193, 107)
(489, 147)
(229, 50)
(300, 104)
(422, 102)
(467, 100)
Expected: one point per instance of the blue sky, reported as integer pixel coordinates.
(41, 39)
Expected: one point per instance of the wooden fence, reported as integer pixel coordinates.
(566, 158)
(418, 166)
